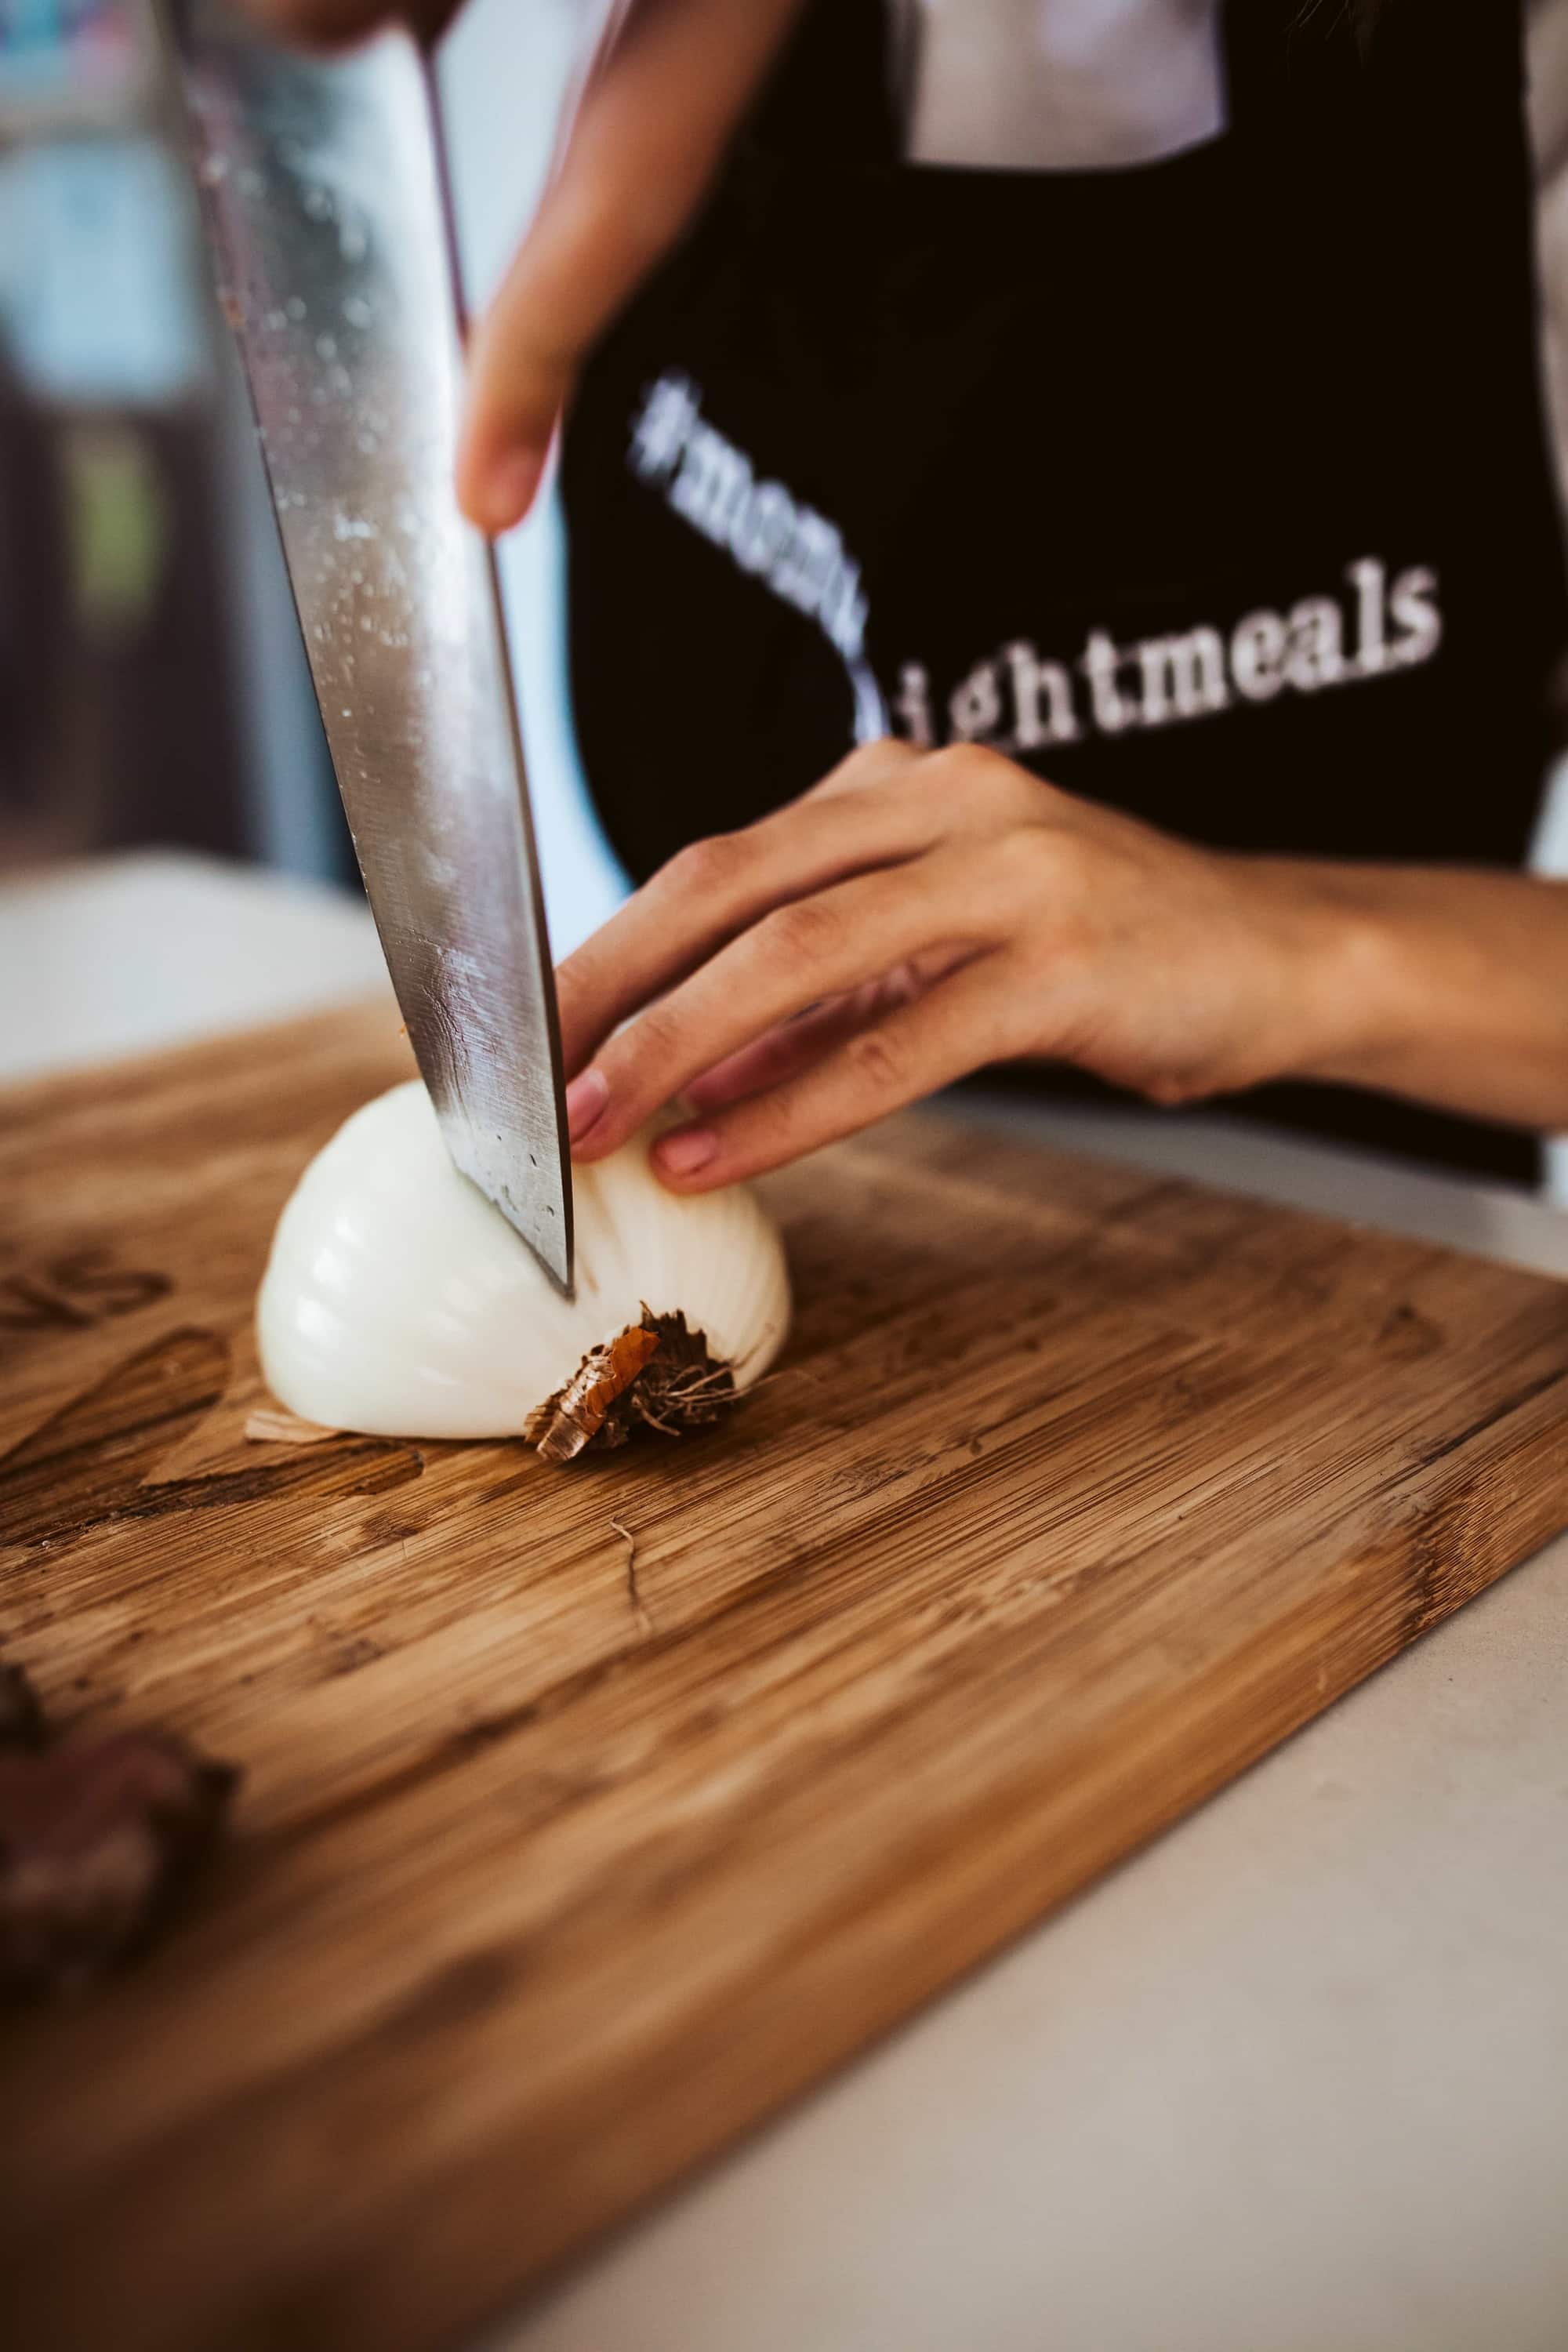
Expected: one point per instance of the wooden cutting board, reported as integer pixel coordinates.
(1077, 1491)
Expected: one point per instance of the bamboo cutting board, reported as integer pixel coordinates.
(1077, 1492)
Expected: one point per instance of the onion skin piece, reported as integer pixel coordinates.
(575, 1415)
(655, 1375)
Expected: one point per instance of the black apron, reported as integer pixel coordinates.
(1216, 490)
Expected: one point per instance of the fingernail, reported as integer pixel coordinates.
(510, 491)
(585, 1098)
(686, 1151)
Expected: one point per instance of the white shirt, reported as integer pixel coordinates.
(1059, 84)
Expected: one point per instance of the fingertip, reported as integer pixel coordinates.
(686, 1153)
(496, 494)
(587, 1100)
(596, 1146)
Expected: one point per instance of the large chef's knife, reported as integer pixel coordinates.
(326, 198)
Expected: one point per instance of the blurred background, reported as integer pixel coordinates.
(152, 690)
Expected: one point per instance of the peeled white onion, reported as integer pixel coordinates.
(398, 1302)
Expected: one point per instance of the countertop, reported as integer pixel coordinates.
(1291, 2081)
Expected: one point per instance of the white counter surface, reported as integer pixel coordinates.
(1295, 2080)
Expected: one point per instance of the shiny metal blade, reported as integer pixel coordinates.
(325, 195)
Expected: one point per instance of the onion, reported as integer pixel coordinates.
(398, 1302)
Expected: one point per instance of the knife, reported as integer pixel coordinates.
(326, 193)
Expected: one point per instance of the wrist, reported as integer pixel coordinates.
(1446, 985)
(1354, 989)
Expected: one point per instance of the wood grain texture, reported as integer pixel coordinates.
(1076, 1493)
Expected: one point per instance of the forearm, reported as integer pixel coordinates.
(1447, 986)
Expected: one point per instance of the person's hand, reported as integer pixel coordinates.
(668, 86)
(916, 916)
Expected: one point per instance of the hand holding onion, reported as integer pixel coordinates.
(919, 915)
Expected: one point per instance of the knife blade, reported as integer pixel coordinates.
(324, 190)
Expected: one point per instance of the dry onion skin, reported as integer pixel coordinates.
(396, 1301)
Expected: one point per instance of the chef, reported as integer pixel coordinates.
(1064, 569)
